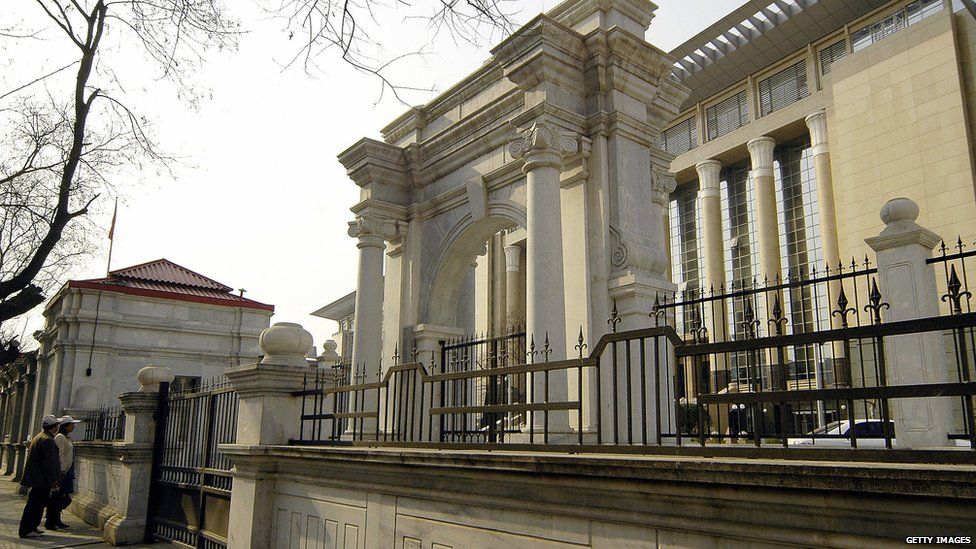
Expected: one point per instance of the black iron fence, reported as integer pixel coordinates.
(105, 424)
(796, 363)
(191, 480)
(537, 401)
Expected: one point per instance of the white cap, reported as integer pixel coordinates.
(64, 420)
(49, 421)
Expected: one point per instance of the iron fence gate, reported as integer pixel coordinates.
(189, 501)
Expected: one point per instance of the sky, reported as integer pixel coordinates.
(259, 200)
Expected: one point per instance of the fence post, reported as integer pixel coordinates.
(908, 285)
(268, 414)
(136, 452)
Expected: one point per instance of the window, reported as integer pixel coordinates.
(680, 138)
(783, 88)
(830, 54)
(879, 30)
(728, 115)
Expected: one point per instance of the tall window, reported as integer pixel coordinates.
(741, 263)
(783, 88)
(680, 138)
(879, 30)
(686, 244)
(727, 115)
(830, 54)
(800, 245)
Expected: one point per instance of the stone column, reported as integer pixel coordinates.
(136, 450)
(709, 179)
(13, 427)
(513, 280)
(716, 317)
(817, 124)
(908, 285)
(467, 302)
(767, 221)
(268, 414)
(499, 284)
(367, 343)
(543, 148)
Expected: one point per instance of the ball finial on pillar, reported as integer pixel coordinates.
(285, 344)
(151, 376)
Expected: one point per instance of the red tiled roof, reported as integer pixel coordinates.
(167, 280)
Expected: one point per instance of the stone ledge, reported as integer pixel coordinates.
(746, 502)
(912, 479)
(91, 511)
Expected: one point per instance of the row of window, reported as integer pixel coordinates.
(790, 84)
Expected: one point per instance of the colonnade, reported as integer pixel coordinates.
(766, 219)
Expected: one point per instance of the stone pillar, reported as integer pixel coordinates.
(467, 302)
(268, 414)
(908, 285)
(767, 221)
(499, 284)
(709, 178)
(817, 124)
(716, 317)
(513, 280)
(543, 148)
(367, 343)
(13, 429)
(129, 525)
(22, 434)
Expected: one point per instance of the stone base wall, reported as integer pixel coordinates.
(438, 500)
(98, 482)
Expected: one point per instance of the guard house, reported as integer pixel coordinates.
(98, 333)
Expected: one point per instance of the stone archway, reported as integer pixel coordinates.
(440, 298)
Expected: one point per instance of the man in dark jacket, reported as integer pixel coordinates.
(42, 474)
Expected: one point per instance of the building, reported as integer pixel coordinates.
(342, 312)
(98, 333)
(770, 143)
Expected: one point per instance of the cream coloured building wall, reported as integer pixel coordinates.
(897, 127)
(900, 122)
(192, 339)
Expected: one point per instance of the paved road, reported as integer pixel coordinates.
(12, 505)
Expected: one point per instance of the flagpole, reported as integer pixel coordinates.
(101, 286)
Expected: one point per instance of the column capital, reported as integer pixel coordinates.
(543, 145)
(817, 125)
(513, 253)
(761, 154)
(662, 185)
(372, 230)
(709, 176)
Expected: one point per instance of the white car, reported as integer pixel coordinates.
(869, 432)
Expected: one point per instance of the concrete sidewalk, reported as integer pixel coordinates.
(79, 534)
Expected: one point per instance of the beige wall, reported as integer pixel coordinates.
(898, 128)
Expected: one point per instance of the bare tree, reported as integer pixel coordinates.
(350, 28)
(67, 134)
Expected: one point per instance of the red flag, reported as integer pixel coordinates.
(111, 230)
